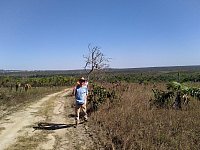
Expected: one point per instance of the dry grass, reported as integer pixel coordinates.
(33, 141)
(11, 101)
(47, 110)
(129, 123)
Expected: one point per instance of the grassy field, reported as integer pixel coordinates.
(129, 123)
(125, 120)
(11, 101)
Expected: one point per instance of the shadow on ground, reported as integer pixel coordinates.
(52, 126)
(71, 115)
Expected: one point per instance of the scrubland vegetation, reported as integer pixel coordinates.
(128, 117)
(11, 101)
(12, 98)
(120, 106)
(128, 122)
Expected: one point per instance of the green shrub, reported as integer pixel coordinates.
(162, 99)
(98, 95)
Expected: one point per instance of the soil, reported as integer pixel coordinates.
(47, 124)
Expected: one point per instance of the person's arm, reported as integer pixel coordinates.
(87, 91)
(74, 94)
(86, 95)
(74, 91)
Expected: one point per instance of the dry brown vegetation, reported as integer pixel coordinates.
(11, 100)
(129, 122)
(33, 140)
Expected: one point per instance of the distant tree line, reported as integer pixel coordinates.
(111, 77)
(8, 81)
(146, 77)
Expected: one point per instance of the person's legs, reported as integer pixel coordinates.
(77, 112)
(85, 111)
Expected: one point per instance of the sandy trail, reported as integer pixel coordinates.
(59, 134)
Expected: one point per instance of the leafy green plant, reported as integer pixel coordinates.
(162, 98)
(98, 95)
(174, 90)
(192, 91)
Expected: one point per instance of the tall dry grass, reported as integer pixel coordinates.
(129, 123)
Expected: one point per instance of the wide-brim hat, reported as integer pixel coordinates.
(82, 79)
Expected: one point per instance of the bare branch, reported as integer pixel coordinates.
(95, 60)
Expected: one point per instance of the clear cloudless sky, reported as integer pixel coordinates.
(54, 34)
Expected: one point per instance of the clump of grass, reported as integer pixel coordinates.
(129, 123)
(47, 110)
(30, 142)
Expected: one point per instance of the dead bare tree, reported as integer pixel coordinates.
(95, 60)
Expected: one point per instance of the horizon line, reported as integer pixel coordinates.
(103, 68)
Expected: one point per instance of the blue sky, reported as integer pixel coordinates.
(54, 34)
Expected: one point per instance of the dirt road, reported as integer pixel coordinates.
(47, 124)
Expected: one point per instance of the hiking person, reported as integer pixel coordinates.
(80, 93)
